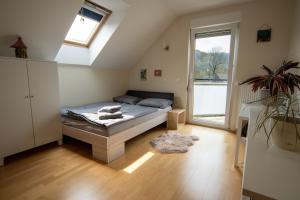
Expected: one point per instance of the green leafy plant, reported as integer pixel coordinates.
(287, 112)
(276, 80)
(281, 85)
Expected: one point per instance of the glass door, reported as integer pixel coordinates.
(210, 83)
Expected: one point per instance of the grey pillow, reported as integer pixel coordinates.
(127, 99)
(155, 102)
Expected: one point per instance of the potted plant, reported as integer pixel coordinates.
(275, 83)
(280, 117)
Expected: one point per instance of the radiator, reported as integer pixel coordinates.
(247, 95)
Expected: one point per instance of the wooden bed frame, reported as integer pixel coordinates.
(110, 148)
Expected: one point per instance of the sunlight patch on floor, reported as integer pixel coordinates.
(131, 168)
(220, 120)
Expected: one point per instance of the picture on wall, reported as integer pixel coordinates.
(143, 74)
(157, 72)
(264, 35)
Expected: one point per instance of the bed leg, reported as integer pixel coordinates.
(109, 154)
(60, 142)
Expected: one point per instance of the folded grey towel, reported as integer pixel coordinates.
(110, 109)
(106, 115)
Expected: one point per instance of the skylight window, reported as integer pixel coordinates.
(87, 23)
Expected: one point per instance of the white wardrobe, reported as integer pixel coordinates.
(29, 105)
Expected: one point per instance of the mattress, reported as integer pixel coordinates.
(111, 130)
(90, 113)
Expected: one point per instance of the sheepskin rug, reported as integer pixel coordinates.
(173, 142)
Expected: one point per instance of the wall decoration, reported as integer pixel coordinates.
(264, 33)
(143, 74)
(20, 48)
(157, 72)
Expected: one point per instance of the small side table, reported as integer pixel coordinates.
(176, 116)
(243, 119)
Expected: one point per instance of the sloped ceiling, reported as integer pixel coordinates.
(181, 7)
(144, 23)
(42, 24)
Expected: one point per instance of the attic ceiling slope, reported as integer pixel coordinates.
(182, 7)
(144, 23)
(42, 25)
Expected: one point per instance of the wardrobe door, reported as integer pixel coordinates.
(43, 83)
(16, 132)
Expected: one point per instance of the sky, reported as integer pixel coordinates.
(81, 31)
(206, 44)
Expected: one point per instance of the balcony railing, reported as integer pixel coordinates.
(210, 98)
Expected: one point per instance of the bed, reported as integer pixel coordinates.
(108, 140)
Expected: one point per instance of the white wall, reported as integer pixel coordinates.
(44, 32)
(144, 22)
(76, 55)
(71, 54)
(43, 25)
(294, 52)
(81, 85)
(252, 55)
(173, 64)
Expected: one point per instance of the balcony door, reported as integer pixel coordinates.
(211, 75)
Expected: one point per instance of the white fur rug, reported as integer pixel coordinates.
(173, 142)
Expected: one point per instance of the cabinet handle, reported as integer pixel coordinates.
(31, 96)
(26, 97)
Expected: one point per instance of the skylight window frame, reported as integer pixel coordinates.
(104, 11)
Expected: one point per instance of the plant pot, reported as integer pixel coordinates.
(284, 135)
(268, 100)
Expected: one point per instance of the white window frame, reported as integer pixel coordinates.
(234, 29)
(92, 6)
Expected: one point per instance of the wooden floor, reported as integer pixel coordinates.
(69, 173)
